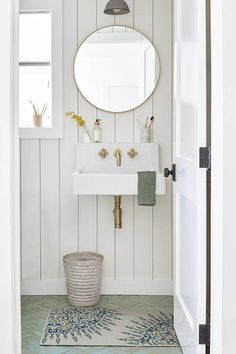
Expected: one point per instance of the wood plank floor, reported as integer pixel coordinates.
(35, 310)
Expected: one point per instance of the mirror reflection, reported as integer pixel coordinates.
(117, 69)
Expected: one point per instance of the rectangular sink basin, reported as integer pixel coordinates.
(97, 176)
(111, 184)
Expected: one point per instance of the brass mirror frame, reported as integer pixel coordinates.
(155, 87)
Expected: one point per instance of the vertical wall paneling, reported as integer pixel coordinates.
(124, 241)
(87, 17)
(143, 242)
(106, 233)
(124, 133)
(88, 224)
(50, 232)
(107, 118)
(143, 17)
(143, 215)
(124, 236)
(162, 134)
(87, 205)
(126, 20)
(124, 121)
(87, 22)
(68, 201)
(107, 124)
(30, 209)
(161, 96)
(162, 244)
(124, 127)
(137, 258)
(144, 24)
(145, 228)
(103, 20)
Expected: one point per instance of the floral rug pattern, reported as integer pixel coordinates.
(109, 327)
(152, 330)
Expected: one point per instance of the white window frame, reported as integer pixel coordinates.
(56, 9)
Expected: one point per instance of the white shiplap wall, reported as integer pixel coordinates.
(54, 222)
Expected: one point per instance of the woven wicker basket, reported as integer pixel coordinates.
(83, 272)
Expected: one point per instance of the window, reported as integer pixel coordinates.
(40, 69)
(35, 77)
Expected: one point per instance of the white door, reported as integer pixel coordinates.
(190, 187)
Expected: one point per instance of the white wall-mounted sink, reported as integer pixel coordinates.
(97, 176)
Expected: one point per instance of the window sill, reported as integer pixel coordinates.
(41, 133)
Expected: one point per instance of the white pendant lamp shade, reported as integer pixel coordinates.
(116, 7)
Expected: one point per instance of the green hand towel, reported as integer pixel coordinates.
(147, 188)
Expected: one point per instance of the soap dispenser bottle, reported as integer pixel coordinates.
(97, 132)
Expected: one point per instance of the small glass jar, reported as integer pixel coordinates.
(146, 135)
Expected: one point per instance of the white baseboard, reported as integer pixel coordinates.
(109, 287)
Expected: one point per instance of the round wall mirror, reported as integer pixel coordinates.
(117, 69)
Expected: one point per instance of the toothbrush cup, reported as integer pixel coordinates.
(146, 135)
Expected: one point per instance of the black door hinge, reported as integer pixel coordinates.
(205, 334)
(205, 157)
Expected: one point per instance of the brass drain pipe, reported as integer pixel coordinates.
(117, 212)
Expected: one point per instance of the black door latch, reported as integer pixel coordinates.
(172, 172)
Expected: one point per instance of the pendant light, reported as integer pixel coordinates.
(116, 7)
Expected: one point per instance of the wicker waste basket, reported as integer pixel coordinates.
(83, 272)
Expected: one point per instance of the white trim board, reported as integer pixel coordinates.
(9, 183)
(217, 178)
(109, 287)
(223, 260)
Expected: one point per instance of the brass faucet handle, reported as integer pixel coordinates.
(132, 153)
(103, 153)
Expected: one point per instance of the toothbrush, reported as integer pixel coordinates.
(146, 124)
(151, 122)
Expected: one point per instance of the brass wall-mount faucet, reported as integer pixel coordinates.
(117, 154)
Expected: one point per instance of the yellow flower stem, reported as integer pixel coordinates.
(79, 121)
(88, 133)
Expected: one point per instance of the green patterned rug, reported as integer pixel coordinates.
(109, 327)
